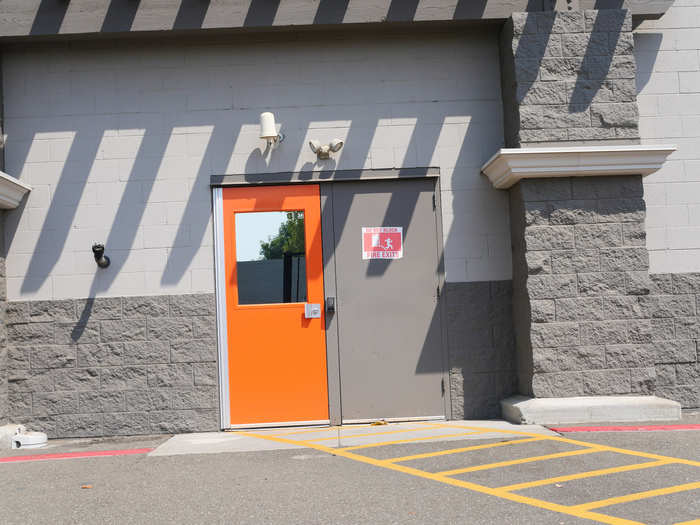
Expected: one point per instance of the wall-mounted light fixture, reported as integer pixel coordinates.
(98, 250)
(324, 151)
(268, 129)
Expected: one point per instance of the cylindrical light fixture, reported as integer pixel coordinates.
(268, 129)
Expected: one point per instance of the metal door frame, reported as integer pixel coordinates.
(222, 325)
(221, 314)
(325, 180)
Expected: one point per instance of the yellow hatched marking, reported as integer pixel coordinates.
(326, 429)
(547, 505)
(464, 449)
(403, 431)
(412, 440)
(637, 496)
(500, 464)
(582, 475)
(309, 431)
(585, 444)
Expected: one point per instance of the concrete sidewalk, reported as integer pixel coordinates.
(345, 436)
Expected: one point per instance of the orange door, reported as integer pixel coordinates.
(274, 266)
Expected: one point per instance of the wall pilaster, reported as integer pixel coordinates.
(569, 78)
(589, 320)
(3, 328)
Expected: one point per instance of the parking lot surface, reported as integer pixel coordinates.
(421, 472)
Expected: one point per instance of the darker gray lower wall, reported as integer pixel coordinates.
(589, 318)
(481, 347)
(110, 366)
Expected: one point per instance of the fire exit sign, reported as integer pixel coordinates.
(382, 242)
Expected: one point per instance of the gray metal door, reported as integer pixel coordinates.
(389, 328)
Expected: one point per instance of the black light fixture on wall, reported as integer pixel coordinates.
(98, 250)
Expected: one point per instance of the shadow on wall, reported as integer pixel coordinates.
(591, 82)
(478, 322)
(481, 347)
(646, 49)
(597, 57)
(49, 17)
(120, 14)
(225, 127)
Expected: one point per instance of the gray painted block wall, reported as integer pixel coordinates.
(111, 366)
(592, 321)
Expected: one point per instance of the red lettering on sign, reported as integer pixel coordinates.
(382, 242)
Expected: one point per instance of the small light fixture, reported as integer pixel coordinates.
(324, 151)
(98, 250)
(268, 129)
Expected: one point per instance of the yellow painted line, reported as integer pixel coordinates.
(530, 459)
(637, 496)
(321, 429)
(547, 505)
(313, 431)
(691, 522)
(586, 444)
(582, 475)
(307, 431)
(402, 431)
(463, 449)
(411, 440)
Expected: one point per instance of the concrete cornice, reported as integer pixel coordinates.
(12, 191)
(40, 19)
(510, 165)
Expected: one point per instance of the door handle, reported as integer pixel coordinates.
(330, 305)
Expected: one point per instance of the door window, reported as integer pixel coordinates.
(270, 257)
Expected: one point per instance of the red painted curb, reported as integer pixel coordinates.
(632, 428)
(70, 455)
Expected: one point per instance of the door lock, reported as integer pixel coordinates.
(312, 310)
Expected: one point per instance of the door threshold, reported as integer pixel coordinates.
(280, 424)
(394, 420)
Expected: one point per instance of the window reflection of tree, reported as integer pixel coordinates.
(288, 245)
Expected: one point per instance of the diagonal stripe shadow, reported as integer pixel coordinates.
(61, 213)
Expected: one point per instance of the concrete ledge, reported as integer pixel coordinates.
(594, 409)
(510, 165)
(12, 191)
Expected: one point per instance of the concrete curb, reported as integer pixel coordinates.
(594, 409)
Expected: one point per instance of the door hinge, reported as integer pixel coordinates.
(442, 386)
(434, 203)
(437, 291)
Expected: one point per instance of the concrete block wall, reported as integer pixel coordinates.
(667, 53)
(111, 366)
(592, 320)
(569, 77)
(481, 347)
(119, 143)
(3, 331)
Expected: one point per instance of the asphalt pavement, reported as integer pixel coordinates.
(324, 483)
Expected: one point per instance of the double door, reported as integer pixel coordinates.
(332, 302)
